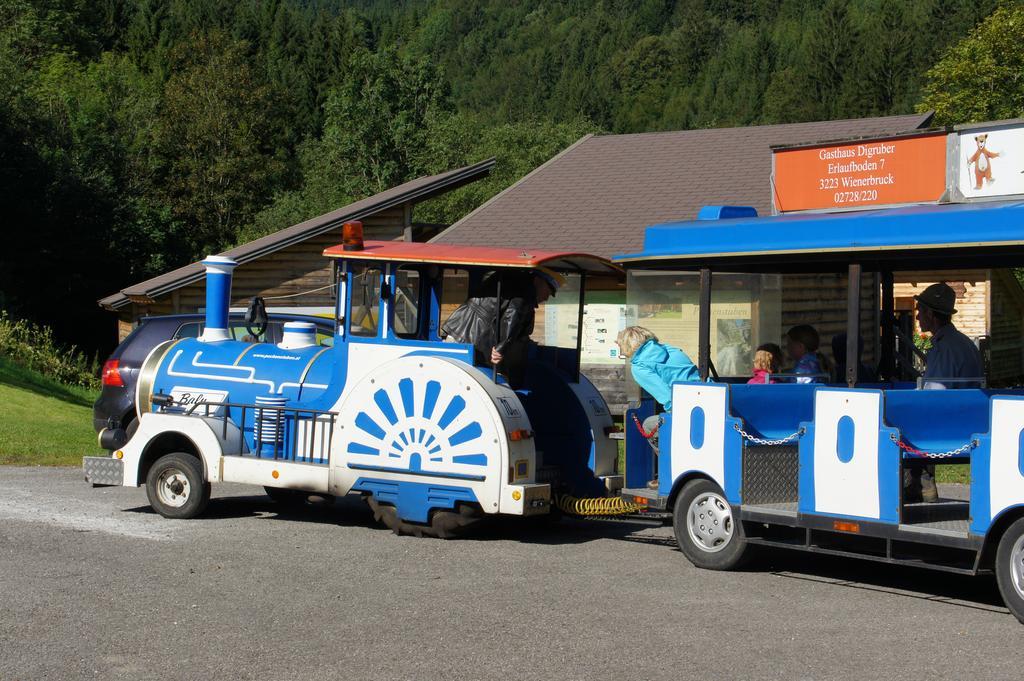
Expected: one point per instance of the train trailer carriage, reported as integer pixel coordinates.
(433, 439)
(820, 466)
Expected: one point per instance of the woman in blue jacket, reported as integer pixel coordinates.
(655, 367)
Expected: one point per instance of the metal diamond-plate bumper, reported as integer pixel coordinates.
(103, 470)
(770, 474)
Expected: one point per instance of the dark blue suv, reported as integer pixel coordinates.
(115, 407)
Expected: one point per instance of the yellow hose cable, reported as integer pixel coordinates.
(597, 506)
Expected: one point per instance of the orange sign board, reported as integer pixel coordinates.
(874, 173)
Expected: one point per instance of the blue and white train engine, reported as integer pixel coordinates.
(387, 409)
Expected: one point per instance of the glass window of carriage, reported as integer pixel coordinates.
(408, 302)
(364, 297)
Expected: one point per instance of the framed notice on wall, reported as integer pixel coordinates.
(858, 174)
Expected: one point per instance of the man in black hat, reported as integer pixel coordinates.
(953, 355)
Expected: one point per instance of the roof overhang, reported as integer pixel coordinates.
(477, 256)
(946, 236)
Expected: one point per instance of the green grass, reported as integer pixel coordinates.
(956, 472)
(43, 422)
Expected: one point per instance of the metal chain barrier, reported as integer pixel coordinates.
(962, 449)
(647, 434)
(769, 443)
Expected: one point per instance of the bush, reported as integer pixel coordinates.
(32, 346)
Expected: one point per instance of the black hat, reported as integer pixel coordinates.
(938, 297)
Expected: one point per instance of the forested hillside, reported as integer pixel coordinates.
(138, 135)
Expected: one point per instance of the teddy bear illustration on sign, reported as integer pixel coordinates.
(982, 160)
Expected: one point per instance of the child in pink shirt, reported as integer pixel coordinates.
(767, 360)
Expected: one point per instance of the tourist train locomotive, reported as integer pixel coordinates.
(388, 409)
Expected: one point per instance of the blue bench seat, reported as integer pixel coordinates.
(937, 420)
(772, 411)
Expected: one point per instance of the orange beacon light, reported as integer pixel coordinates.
(352, 236)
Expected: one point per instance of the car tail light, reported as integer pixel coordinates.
(111, 374)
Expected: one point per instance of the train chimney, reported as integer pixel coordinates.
(218, 297)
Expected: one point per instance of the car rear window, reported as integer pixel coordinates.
(191, 330)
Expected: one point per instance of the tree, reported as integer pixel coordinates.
(981, 78)
(215, 141)
(375, 127)
(883, 76)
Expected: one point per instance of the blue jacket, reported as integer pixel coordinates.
(656, 367)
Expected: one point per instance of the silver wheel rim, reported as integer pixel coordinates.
(1017, 566)
(172, 488)
(709, 522)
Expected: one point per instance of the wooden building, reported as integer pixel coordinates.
(287, 268)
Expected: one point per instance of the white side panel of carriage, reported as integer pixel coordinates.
(1006, 484)
(709, 458)
(846, 488)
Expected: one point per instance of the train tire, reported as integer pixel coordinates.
(443, 524)
(707, 532)
(1010, 568)
(176, 487)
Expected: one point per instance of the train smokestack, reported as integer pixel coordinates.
(218, 297)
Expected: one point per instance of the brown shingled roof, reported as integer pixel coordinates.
(599, 194)
(417, 190)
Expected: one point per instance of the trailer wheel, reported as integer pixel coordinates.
(1010, 568)
(176, 487)
(443, 524)
(707, 533)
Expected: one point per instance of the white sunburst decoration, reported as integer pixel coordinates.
(433, 422)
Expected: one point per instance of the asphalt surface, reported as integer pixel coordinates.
(93, 584)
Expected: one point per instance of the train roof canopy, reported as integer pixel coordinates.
(912, 237)
(476, 256)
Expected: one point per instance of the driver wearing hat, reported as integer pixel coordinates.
(953, 355)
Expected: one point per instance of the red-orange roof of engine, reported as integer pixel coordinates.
(452, 254)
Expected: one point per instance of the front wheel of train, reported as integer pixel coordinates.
(706, 530)
(1010, 568)
(176, 487)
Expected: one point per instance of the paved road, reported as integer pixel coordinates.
(94, 585)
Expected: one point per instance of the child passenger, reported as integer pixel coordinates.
(767, 360)
(802, 343)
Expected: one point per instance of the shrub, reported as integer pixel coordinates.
(33, 346)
